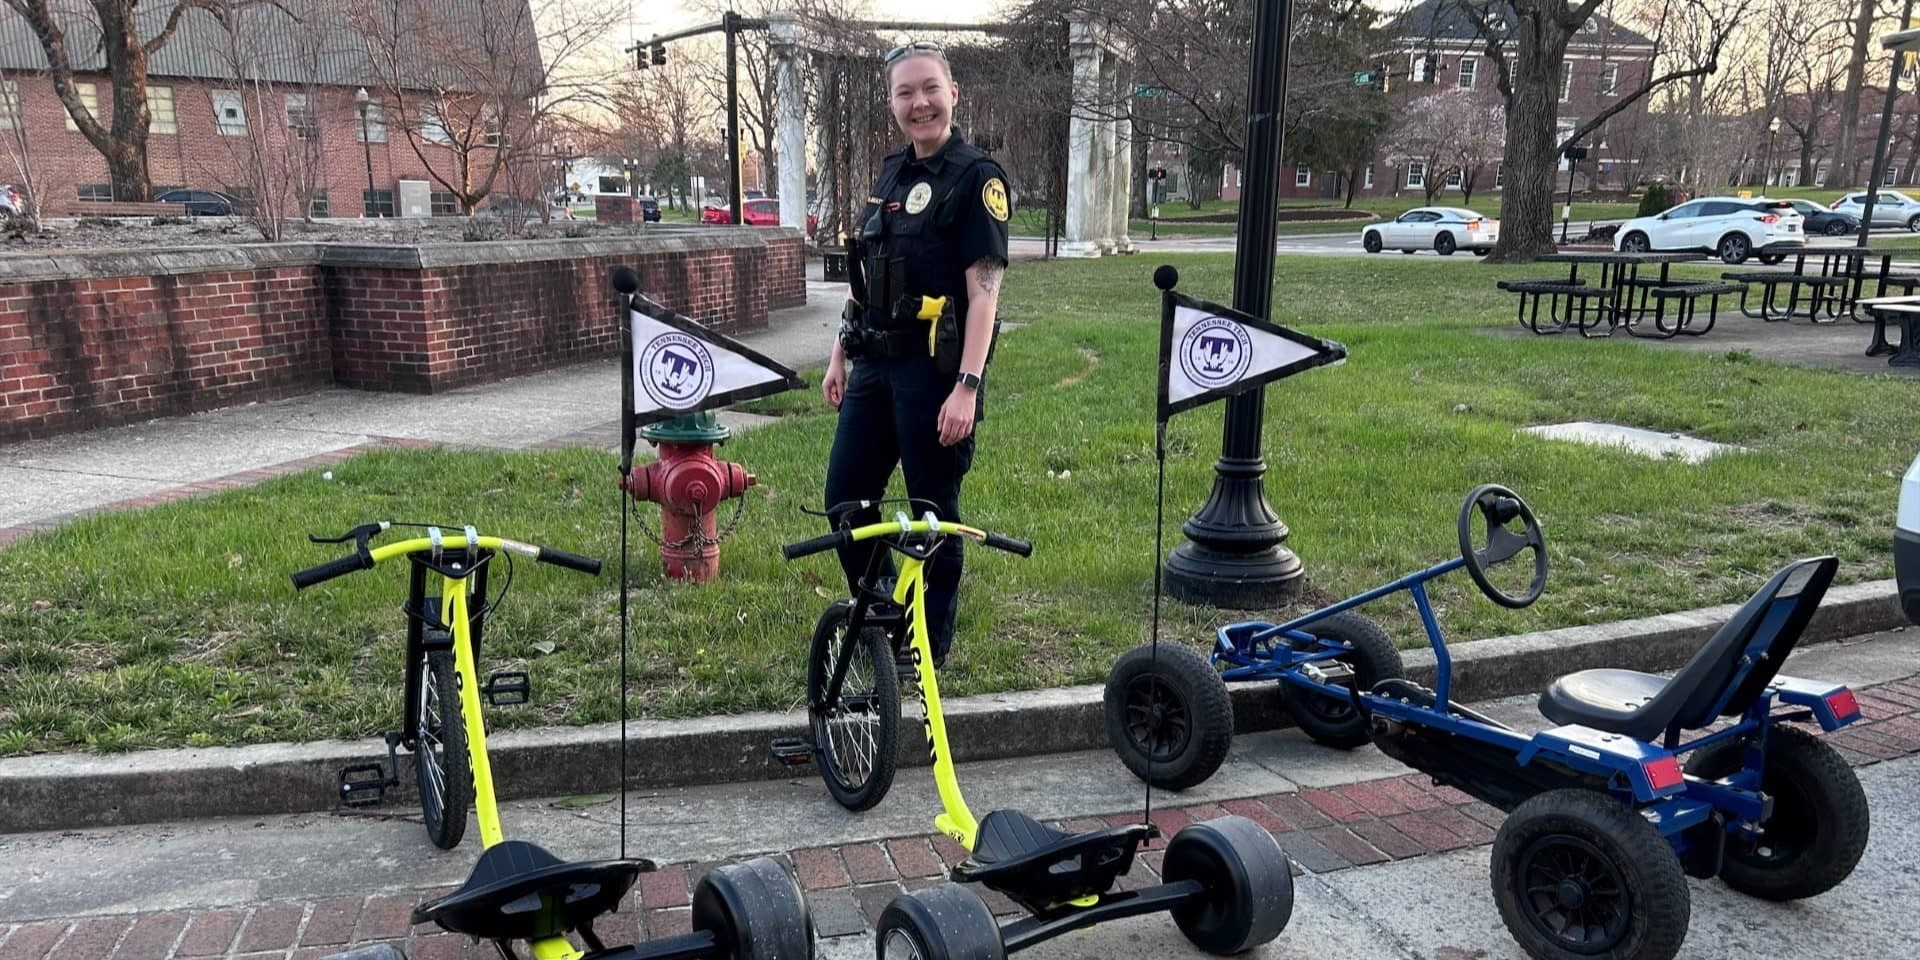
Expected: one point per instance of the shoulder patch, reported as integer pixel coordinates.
(994, 195)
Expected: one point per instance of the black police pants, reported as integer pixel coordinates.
(890, 414)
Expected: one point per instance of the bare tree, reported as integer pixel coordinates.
(1527, 41)
(126, 34)
(1432, 131)
(1840, 175)
(469, 84)
(279, 158)
(19, 152)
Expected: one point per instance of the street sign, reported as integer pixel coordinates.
(1363, 78)
(1142, 90)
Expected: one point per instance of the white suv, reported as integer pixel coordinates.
(1890, 209)
(1731, 227)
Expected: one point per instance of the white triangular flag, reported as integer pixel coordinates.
(679, 366)
(1208, 351)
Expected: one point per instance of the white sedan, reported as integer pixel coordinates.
(1440, 229)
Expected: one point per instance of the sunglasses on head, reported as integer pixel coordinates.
(923, 45)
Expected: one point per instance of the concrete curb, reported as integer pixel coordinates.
(70, 791)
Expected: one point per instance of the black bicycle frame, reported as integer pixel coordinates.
(423, 611)
(864, 596)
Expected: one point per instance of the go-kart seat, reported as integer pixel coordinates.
(1040, 867)
(519, 891)
(1723, 679)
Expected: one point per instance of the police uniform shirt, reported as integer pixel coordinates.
(945, 213)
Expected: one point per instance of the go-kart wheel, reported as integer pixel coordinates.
(1170, 722)
(947, 922)
(442, 768)
(755, 910)
(1819, 825)
(1578, 874)
(1249, 888)
(856, 739)
(1499, 507)
(379, 951)
(1333, 720)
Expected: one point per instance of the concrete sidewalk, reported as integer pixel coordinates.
(1389, 866)
(45, 482)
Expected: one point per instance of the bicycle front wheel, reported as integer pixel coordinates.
(856, 736)
(440, 752)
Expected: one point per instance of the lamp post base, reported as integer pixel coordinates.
(1235, 556)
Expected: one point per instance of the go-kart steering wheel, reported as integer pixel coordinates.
(1502, 506)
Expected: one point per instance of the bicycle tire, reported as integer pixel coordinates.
(441, 765)
(858, 780)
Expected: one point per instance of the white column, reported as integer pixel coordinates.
(1084, 39)
(791, 80)
(1123, 171)
(1104, 157)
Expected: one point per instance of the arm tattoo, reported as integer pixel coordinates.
(991, 268)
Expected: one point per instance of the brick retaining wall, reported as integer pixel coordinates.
(98, 339)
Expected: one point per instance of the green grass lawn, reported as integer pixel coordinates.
(177, 625)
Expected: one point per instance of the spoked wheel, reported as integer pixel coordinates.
(756, 911)
(947, 922)
(1249, 887)
(1819, 825)
(440, 758)
(1333, 720)
(1577, 874)
(1171, 722)
(855, 738)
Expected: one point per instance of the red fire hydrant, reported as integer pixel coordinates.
(689, 485)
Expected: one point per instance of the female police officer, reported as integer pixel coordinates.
(931, 250)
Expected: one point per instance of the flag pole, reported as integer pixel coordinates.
(1166, 277)
(627, 282)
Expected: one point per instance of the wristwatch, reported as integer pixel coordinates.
(968, 380)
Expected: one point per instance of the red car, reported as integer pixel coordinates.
(759, 213)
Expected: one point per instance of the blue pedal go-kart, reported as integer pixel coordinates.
(1604, 824)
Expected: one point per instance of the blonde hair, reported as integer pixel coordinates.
(936, 56)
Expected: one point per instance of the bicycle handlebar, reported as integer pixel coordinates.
(841, 538)
(365, 558)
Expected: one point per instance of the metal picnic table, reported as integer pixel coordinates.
(1833, 289)
(1619, 283)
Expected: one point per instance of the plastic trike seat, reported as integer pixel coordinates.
(1227, 883)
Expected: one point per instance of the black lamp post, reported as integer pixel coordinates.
(360, 99)
(1235, 556)
(1766, 169)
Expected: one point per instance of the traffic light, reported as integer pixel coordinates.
(639, 58)
(659, 54)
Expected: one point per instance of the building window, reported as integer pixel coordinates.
(1566, 80)
(301, 121)
(160, 110)
(377, 203)
(1453, 179)
(496, 131)
(1468, 67)
(318, 205)
(229, 115)
(1302, 175)
(89, 98)
(433, 127)
(1416, 175)
(9, 104)
(1499, 175)
(1236, 176)
(1610, 80)
(444, 204)
(96, 192)
(613, 185)
(1887, 179)
(1369, 181)
(374, 128)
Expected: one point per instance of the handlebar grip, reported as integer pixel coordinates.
(807, 548)
(1009, 544)
(313, 576)
(572, 561)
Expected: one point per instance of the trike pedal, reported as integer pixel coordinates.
(792, 752)
(507, 688)
(364, 785)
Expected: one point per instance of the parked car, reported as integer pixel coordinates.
(1891, 208)
(1440, 229)
(1824, 221)
(649, 209)
(758, 213)
(207, 203)
(12, 201)
(1730, 227)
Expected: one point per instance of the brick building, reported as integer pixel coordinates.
(211, 92)
(1438, 48)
